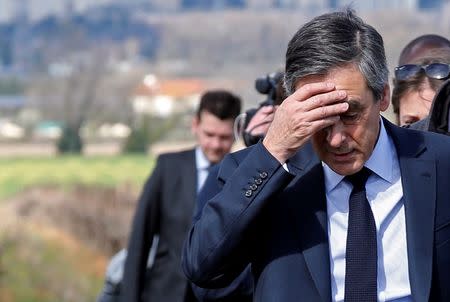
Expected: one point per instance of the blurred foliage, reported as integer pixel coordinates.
(138, 141)
(56, 238)
(149, 130)
(37, 269)
(70, 141)
(67, 171)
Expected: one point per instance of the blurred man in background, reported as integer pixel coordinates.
(167, 204)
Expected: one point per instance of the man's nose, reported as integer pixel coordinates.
(216, 143)
(336, 134)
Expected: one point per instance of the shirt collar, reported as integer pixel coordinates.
(378, 162)
(201, 162)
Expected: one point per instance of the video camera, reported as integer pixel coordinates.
(265, 85)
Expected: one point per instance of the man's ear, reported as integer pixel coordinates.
(386, 98)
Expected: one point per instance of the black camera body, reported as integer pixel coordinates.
(265, 85)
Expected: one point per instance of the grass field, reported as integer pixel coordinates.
(20, 173)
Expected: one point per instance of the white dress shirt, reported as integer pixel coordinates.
(385, 195)
(202, 164)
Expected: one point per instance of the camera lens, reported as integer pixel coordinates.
(263, 85)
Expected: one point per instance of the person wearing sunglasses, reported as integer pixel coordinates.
(416, 84)
(438, 120)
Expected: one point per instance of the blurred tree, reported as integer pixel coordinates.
(138, 141)
(70, 141)
(78, 97)
(84, 88)
(148, 130)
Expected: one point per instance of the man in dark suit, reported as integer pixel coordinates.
(241, 289)
(167, 204)
(371, 222)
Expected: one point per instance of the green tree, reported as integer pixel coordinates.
(70, 141)
(147, 131)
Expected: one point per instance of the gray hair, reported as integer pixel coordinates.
(335, 40)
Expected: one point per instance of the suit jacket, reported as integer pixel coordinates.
(280, 224)
(241, 289)
(165, 207)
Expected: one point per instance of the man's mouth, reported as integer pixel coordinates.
(343, 156)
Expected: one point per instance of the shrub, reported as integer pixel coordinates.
(148, 131)
(70, 141)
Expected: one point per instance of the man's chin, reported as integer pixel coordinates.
(214, 159)
(345, 168)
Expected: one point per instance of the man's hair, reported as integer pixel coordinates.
(336, 40)
(416, 82)
(422, 44)
(221, 103)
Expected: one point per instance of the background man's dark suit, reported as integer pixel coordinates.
(281, 225)
(170, 198)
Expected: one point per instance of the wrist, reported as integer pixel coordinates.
(277, 152)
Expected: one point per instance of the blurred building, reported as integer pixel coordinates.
(430, 4)
(37, 9)
(10, 130)
(389, 4)
(166, 97)
(10, 105)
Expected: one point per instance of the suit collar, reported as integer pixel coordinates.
(201, 161)
(381, 162)
(418, 172)
(304, 159)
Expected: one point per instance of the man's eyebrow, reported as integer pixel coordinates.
(354, 105)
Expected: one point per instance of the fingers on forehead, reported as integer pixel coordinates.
(310, 89)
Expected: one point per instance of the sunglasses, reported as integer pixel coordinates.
(438, 71)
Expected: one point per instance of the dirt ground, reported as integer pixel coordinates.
(87, 224)
(98, 217)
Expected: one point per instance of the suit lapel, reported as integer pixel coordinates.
(309, 201)
(189, 173)
(419, 195)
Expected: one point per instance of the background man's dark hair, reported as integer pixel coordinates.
(333, 40)
(220, 103)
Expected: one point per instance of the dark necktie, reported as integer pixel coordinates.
(361, 251)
